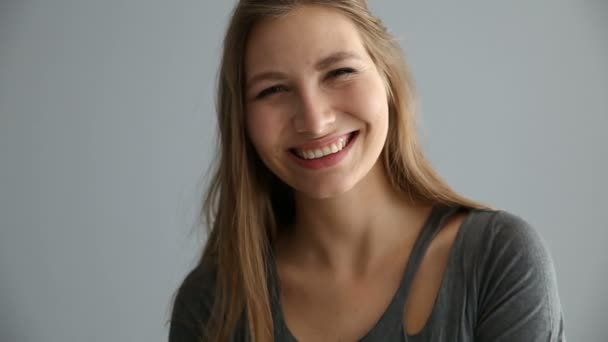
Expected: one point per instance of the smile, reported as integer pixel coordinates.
(325, 150)
(322, 151)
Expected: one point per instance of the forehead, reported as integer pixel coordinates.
(301, 38)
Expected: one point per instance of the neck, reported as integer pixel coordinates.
(349, 233)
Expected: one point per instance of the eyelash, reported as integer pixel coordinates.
(269, 91)
(332, 74)
(342, 72)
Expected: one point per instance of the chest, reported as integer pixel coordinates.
(329, 312)
(318, 309)
(315, 308)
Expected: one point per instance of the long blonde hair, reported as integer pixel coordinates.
(246, 205)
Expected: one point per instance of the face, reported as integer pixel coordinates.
(316, 106)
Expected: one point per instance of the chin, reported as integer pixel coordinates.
(324, 191)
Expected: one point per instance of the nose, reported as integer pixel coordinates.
(314, 114)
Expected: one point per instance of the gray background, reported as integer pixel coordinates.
(107, 126)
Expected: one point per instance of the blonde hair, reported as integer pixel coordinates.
(246, 205)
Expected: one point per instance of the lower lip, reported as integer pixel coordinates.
(327, 161)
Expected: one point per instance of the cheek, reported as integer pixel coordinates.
(369, 99)
(253, 130)
(263, 129)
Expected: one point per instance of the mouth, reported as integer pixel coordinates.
(325, 151)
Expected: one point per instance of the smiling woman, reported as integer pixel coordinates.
(327, 222)
(325, 90)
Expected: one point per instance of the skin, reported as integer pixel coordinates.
(353, 231)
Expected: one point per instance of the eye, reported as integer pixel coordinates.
(271, 90)
(341, 72)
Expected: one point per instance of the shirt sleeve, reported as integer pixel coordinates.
(518, 298)
(191, 309)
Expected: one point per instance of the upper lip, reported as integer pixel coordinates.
(322, 142)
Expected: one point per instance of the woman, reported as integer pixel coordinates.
(328, 224)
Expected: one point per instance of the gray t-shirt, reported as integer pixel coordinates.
(499, 285)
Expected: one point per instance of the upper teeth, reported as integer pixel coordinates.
(322, 151)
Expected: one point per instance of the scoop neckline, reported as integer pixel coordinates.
(436, 210)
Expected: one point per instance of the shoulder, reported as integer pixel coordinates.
(499, 243)
(490, 243)
(513, 276)
(192, 304)
(496, 232)
(198, 285)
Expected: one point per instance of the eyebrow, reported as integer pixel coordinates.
(324, 63)
(335, 58)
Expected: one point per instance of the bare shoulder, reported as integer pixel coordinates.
(447, 235)
(429, 276)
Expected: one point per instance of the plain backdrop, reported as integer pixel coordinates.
(107, 129)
